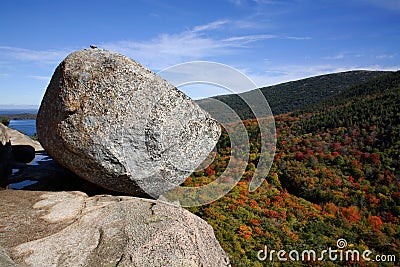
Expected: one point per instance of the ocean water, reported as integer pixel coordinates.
(28, 127)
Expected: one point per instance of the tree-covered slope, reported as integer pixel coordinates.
(336, 174)
(297, 95)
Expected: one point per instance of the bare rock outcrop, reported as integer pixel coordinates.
(15, 147)
(19, 139)
(72, 229)
(5, 154)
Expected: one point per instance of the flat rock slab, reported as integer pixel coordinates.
(72, 229)
(119, 125)
(18, 138)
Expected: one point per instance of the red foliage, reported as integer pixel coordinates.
(338, 182)
(391, 217)
(331, 208)
(210, 171)
(272, 214)
(375, 158)
(373, 200)
(299, 156)
(396, 195)
(375, 222)
(337, 147)
(335, 154)
(351, 214)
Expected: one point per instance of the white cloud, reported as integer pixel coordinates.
(298, 38)
(169, 49)
(239, 40)
(335, 57)
(285, 73)
(40, 78)
(266, 77)
(198, 43)
(44, 56)
(385, 56)
(210, 26)
(246, 24)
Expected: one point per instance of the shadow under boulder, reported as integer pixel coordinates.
(44, 174)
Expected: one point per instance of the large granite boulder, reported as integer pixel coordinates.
(119, 125)
(72, 229)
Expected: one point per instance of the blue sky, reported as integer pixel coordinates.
(271, 41)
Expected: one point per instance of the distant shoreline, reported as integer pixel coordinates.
(26, 116)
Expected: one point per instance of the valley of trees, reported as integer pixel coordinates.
(336, 174)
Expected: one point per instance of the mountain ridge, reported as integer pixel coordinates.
(296, 95)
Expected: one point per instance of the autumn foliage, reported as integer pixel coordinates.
(336, 174)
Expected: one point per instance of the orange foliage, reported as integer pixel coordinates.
(272, 214)
(258, 230)
(245, 231)
(331, 208)
(253, 204)
(351, 214)
(375, 222)
(255, 222)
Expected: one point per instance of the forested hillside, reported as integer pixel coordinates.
(301, 94)
(336, 174)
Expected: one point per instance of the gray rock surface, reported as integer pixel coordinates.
(5, 155)
(117, 124)
(72, 229)
(16, 149)
(5, 260)
(18, 138)
(4, 136)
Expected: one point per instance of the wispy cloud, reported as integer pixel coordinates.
(202, 42)
(283, 73)
(198, 43)
(210, 26)
(169, 49)
(385, 56)
(44, 56)
(40, 78)
(239, 40)
(335, 57)
(247, 24)
(298, 38)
